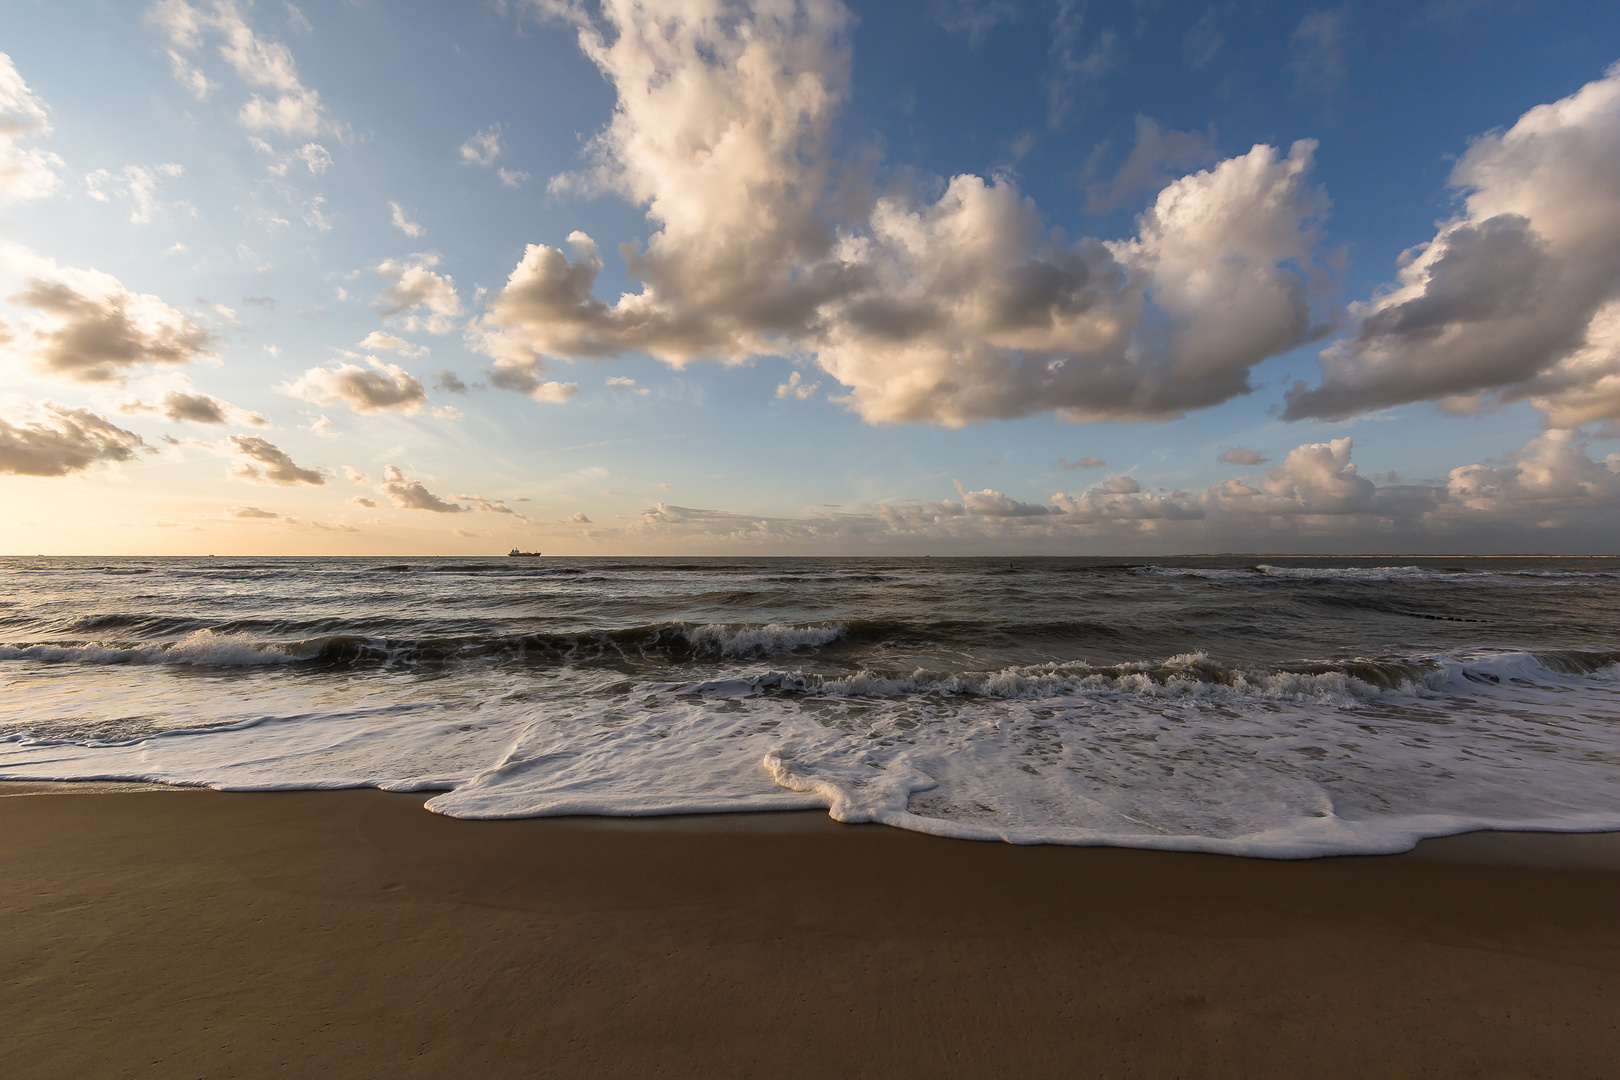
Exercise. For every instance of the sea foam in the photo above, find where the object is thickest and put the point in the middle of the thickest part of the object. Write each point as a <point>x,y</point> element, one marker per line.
<point>1241,766</point>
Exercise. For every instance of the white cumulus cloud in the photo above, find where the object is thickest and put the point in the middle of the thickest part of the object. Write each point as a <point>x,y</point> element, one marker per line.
<point>85,326</point>
<point>796,388</point>
<point>408,494</point>
<point>482,148</point>
<point>382,341</point>
<point>268,463</point>
<point>1516,297</point>
<point>424,300</point>
<point>378,387</point>
<point>136,185</point>
<point>279,103</point>
<point>58,441</point>
<point>25,172</point>
<point>950,310</point>
<point>403,223</point>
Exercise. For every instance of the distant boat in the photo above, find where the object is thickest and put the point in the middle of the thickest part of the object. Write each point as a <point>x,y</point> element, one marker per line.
<point>516,554</point>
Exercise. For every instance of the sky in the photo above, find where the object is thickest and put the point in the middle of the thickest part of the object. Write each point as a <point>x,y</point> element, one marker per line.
<point>946,277</point>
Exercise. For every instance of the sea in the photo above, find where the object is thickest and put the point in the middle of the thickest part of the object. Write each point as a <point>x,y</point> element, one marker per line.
<point>1253,705</point>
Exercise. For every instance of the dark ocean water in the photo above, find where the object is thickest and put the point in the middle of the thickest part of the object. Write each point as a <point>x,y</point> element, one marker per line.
<point>1270,706</point>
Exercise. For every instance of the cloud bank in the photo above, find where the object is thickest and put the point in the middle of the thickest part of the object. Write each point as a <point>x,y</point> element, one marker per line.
<point>1314,498</point>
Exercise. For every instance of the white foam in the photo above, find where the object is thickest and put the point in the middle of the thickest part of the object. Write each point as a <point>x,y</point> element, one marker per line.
<point>769,639</point>
<point>200,648</point>
<point>1168,754</point>
<point>1187,677</point>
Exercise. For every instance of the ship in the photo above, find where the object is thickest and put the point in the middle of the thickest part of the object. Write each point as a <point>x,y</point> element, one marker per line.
<point>516,554</point>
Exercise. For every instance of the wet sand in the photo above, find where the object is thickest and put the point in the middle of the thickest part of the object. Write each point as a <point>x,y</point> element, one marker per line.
<point>352,933</point>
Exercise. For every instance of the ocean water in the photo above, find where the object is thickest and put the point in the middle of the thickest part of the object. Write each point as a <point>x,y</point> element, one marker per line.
<point>1280,707</point>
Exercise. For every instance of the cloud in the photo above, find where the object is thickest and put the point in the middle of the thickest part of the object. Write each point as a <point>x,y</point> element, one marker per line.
<point>382,387</point>
<point>355,476</point>
<point>25,173</point>
<point>278,467</point>
<point>427,300</point>
<point>403,223</point>
<point>90,328</point>
<point>1316,478</point>
<point>1072,61</point>
<point>1120,499</point>
<point>1202,41</point>
<point>973,18</point>
<point>523,376</point>
<point>254,513</point>
<point>1546,479</point>
<point>227,314</point>
<point>361,500</point>
<point>183,406</point>
<point>579,519</point>
<point>619,382</point>
<point>1083,463</point>
<point>314,217</point>
<point>512,178</point>
<point>796,388</point>
<point>994,504</point>
<point>62,441</point>
<point>315,157</point>
<point>408,494</point>
<point>136,185</point>
<point>1316,52</point>
<point>490,506</point>
<point>381,341</point>
<point>448,382</point>
<point>1241,455</point>
<point>1516,297</point>
<point>1145,167</point>
<point>287,108</point>
<point>482,148</point>
<point>946,310</point>
<point>1315,498</point>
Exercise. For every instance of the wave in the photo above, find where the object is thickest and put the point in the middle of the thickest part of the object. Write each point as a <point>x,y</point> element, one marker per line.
<point>674,642</point>
<point>856,646</point>
<point>1370,574</point>
<point>155,625</point>
<point>409,642</point>
<point>1195,676</point>
<point>200,648</point>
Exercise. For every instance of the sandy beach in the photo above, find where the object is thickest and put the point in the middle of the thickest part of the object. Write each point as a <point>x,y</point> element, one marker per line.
<point>351,933</point>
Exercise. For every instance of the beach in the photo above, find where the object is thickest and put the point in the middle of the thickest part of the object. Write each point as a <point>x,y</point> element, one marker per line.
<point>196,933</point>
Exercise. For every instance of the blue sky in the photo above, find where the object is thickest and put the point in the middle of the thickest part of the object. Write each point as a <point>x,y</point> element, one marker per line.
<point>955,277</point>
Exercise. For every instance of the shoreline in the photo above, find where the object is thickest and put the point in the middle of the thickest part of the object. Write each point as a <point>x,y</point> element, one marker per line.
<point>1549,848</point>
<point>251,934</point>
